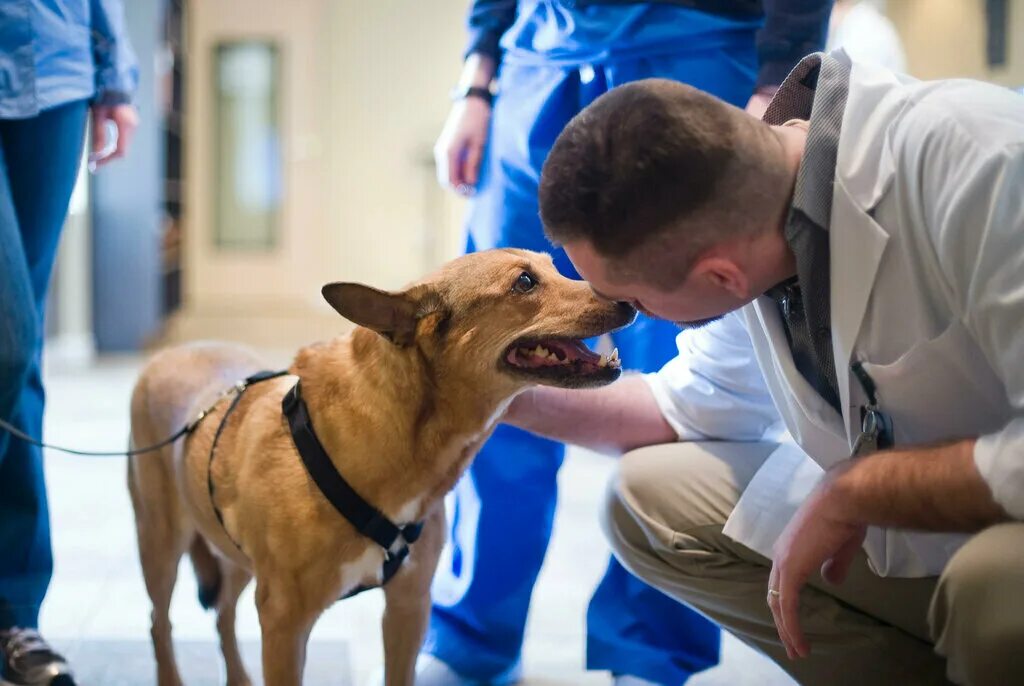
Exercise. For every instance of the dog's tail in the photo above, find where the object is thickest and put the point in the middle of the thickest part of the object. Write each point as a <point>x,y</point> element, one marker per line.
<point>207,569</point>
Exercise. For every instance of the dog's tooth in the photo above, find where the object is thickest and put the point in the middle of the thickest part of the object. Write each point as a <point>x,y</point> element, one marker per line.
<point>614,355</point>
<point>552,356</point>
<point>540,351</point>
<point>603,362</point>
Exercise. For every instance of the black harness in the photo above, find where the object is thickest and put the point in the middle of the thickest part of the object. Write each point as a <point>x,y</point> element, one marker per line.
<point>367,520</point>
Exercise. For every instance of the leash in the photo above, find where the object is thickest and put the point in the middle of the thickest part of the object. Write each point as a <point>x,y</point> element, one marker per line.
<point>237,389</point>
<point>367,520</point>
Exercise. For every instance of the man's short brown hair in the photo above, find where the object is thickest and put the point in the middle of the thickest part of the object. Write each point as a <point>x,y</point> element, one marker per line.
<point>641,159</point>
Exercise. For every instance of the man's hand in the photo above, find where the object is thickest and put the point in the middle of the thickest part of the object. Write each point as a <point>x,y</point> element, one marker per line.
<point>818,537</point>
<point>759,101</point>
<point>934,488</point>
<point>125,119</point>
<point>460,147</point>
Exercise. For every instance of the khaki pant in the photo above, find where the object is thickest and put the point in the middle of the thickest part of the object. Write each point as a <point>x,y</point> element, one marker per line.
<point>664,515</point>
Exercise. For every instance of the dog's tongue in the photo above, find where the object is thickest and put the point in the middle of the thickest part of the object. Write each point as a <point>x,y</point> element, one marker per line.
<point>573,350</point>
<point>553,353</point>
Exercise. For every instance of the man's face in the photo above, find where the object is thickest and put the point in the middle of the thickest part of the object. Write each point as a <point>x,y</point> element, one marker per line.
<point>700,299</point>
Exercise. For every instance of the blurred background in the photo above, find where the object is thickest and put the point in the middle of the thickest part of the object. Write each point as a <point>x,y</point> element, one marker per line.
<point>283,145</point>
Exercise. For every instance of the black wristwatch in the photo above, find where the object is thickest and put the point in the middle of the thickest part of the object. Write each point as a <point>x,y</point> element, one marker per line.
<point>484,94</point>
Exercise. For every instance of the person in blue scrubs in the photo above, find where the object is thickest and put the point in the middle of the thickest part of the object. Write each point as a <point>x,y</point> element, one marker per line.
<point>60,61</point>
<point>550,59</point>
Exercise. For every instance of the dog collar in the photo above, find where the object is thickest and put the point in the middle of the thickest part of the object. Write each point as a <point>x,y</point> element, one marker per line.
<point>368,520</point>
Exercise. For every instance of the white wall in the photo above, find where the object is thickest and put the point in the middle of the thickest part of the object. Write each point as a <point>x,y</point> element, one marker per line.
<point>946,39</point>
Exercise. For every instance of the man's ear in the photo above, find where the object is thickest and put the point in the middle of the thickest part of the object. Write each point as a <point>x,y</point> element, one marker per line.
<point>392,315</point>
<point>725,274</point>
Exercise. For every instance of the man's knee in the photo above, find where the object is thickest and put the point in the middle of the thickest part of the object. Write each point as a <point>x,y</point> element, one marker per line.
<point>659,496</point>
<point>634,538</point>
<point>977,613</point>
<point>18,336</point>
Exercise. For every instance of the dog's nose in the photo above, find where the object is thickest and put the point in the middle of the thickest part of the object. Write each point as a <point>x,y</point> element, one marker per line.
<point>627,311</point>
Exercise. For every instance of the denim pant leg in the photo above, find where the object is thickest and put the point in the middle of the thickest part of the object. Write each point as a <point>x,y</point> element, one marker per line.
<point>40,159</point>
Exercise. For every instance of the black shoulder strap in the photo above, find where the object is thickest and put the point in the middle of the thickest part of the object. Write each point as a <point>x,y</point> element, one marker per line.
<point>367,519</point>
<point>238,389</point>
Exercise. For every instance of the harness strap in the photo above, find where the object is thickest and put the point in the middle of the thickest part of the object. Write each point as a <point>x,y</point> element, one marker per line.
<point>368,520</point>
<point>237,390</point>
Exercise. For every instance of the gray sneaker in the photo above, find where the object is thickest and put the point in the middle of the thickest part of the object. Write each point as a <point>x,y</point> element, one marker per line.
<point>28,660</point>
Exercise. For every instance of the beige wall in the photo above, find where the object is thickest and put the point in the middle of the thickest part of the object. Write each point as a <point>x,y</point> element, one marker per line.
<point>946,38</point>
<point>364,94</point>
<point>394,62</point>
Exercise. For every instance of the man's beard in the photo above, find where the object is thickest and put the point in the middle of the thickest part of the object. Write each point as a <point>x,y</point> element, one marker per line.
<point>698,323</point>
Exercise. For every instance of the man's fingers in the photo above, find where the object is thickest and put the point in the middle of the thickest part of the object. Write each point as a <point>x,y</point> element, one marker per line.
<point>455,157</point>
<point>126,123</point>
<point>472,165</point>
<point>99,129</point>
<point>124,137</point>
<point>774,606</point>
<point>789,610</point>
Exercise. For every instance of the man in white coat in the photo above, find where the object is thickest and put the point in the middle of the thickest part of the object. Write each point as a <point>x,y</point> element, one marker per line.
<point>833,467</point>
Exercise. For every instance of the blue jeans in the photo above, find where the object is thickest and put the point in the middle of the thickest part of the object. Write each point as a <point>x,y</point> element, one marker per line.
<point>504,506</point>
<point>38,165</point>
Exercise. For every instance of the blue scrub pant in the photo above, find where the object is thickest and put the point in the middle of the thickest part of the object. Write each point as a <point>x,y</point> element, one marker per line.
<point>38,165</point>
<point>504,506</point>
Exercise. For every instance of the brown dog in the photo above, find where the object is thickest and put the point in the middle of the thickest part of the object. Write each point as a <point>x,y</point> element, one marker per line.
<point>401,406</point>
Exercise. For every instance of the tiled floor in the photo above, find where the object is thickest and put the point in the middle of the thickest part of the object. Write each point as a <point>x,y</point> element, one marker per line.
<point>98,604</point>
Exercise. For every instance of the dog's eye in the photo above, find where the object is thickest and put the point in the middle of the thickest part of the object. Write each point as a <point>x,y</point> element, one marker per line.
<point>524,283</point>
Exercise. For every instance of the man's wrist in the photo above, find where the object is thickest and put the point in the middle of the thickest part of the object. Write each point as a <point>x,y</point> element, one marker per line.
<point>477,72</point>
<point>478,92</point>
<point>840,487</point>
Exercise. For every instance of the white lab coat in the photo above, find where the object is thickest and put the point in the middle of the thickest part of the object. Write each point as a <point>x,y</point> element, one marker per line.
<point>927,279</point>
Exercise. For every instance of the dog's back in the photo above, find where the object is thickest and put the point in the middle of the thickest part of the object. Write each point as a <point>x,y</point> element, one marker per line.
<point>176,382</point>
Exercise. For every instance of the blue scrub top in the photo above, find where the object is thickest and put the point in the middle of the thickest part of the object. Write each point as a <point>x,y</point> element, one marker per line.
<point>548,32</point>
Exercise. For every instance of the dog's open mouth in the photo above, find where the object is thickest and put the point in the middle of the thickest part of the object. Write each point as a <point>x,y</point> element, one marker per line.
<point>562,360</point>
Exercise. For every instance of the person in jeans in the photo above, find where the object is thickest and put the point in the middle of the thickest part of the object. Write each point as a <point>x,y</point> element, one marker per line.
<point>555,57</point>
<point>60,61</point>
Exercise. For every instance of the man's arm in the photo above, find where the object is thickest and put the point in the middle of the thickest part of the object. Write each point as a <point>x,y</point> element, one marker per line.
<point>962,174</point>
<point>487,21</point>
<point>792,30</point>
<point>116,80</point>
<point>962,153</point>
<point>932,489</point>
<point>613,419</point>
<point>713,389</point>
<point>117,71</point>
<point>460,147</point>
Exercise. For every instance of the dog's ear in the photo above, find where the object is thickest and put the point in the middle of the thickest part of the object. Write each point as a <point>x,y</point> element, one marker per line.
<point>392,315</point>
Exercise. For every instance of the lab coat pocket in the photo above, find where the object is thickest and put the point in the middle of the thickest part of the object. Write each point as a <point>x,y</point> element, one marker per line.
<point>941,389</point>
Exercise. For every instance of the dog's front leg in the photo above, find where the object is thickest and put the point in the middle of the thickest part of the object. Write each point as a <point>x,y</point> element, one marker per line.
<point>407,608</point>
<point>286,622</point>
